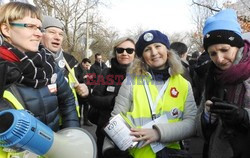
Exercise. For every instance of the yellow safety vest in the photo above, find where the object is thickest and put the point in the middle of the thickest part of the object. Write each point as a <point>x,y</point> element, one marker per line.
<point>72,82</point>
<point>172,104</point>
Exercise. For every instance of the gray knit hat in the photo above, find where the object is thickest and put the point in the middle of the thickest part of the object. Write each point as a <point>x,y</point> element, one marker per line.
<point>49,21</point>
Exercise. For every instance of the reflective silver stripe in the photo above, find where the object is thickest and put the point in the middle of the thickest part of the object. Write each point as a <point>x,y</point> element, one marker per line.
<point>144,120</point>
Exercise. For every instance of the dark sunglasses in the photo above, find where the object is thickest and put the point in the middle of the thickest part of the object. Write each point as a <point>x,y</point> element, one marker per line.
<point>128,50</point>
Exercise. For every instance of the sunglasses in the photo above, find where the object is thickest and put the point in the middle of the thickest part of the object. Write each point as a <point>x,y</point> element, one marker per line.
<point>128,50</point>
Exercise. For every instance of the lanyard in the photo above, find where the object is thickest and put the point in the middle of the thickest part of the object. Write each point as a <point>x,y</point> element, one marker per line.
<point>153,105</point>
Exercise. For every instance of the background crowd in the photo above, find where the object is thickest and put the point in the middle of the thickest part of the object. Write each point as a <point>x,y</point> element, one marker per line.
<point>168,96</point>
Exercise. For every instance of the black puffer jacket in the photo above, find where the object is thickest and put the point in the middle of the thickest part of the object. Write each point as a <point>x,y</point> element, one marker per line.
<point>46,106</point>
<point>104,93</point>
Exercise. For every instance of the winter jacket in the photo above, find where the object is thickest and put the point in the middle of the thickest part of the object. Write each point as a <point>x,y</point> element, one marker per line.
<point>124,103</point>
<point>59,58</point>
<point>104,93</point>
<point>218,144</point>
<point>96,69</point>
<point>81,75</point>
<point>47,106</point>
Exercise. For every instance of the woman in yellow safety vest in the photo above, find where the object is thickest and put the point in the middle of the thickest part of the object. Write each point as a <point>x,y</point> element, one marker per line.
<point>156,99</point>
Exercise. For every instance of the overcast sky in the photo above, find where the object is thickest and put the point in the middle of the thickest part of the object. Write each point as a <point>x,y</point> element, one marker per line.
<point>166,15</point>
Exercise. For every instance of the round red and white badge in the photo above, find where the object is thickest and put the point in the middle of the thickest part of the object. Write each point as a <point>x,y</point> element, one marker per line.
<point>174,92</point>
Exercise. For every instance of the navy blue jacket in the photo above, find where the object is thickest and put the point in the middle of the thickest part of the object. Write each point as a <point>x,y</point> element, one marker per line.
<point>47,106</point>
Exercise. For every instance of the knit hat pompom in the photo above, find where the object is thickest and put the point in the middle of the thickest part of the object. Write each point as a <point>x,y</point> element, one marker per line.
<point>149,37</point>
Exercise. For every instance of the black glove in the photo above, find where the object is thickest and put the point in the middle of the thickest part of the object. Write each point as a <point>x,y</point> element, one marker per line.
<point>230,114</point>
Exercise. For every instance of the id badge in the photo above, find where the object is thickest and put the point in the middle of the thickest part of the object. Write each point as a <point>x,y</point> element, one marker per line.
<point>52,88</point>
<point>111,89</point>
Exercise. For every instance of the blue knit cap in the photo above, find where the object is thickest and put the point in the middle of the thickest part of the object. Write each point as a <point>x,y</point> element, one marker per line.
<point>222,28</point>
<point>224,20</point>
<point>149,37</point>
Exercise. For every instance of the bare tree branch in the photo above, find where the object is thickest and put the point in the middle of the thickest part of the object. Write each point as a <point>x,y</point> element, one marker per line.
<point>206,6</point>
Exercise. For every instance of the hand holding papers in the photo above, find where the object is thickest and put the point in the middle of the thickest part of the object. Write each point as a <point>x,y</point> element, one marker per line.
<point>119,131</point>
<point>156,146</point>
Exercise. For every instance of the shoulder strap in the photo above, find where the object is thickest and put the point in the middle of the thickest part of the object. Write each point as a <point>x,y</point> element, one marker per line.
<point>11,98</point>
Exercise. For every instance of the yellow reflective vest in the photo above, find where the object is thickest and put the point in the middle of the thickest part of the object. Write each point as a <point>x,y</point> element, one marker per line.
<point>72,83</point>
<point>172,104</point>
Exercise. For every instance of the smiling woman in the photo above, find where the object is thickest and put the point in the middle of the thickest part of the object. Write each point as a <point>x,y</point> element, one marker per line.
<point>104,93</point>
<point>157,99</point>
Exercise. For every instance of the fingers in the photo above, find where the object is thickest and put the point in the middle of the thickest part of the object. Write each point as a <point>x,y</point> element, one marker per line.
<point>215,99</point>
<point>146,135</point>
<point>222,108</point>
<point>146,143</point>
<point>221,111</point>
<point>82,90</point>
<point>137,133</point>
<point>208,105</point>
<point>223,105</point>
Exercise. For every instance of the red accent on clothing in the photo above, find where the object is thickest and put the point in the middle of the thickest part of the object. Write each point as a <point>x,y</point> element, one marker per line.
<point>8,55</point>
<point>174,93</point>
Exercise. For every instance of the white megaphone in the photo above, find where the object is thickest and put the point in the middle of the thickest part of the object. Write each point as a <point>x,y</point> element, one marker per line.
<point>19,130</point>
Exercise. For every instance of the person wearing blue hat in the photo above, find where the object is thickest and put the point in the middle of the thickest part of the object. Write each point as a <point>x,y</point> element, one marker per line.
<point>156,99</point>
<point>223,117</point>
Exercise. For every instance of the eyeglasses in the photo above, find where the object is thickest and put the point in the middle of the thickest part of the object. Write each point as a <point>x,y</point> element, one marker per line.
<point>128,50</point>
<point>32,27</point>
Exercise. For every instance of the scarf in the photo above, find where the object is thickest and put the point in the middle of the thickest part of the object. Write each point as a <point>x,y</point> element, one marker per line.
<point>234,78</point>
<point>118,68</point>
<point>240,71</point>
<point>37,68</point>
<point>58,57</point>
<point>159,75</point>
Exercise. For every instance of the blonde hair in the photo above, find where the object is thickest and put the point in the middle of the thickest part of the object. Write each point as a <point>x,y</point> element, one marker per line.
<point>120,41</point>
<point>139,67</point>
<point>17,10</point>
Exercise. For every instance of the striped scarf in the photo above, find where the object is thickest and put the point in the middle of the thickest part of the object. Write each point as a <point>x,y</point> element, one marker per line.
<point>37,68</point>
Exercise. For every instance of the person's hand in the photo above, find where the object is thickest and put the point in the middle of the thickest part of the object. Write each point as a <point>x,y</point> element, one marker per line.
<point>82,90</point>
<point>208,105</point>
<point>210,117</point>
<point>229,113</point>
<point>145,134</point>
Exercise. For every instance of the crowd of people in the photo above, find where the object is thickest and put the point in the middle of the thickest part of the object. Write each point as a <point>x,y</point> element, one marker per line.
<point>167,97</point>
